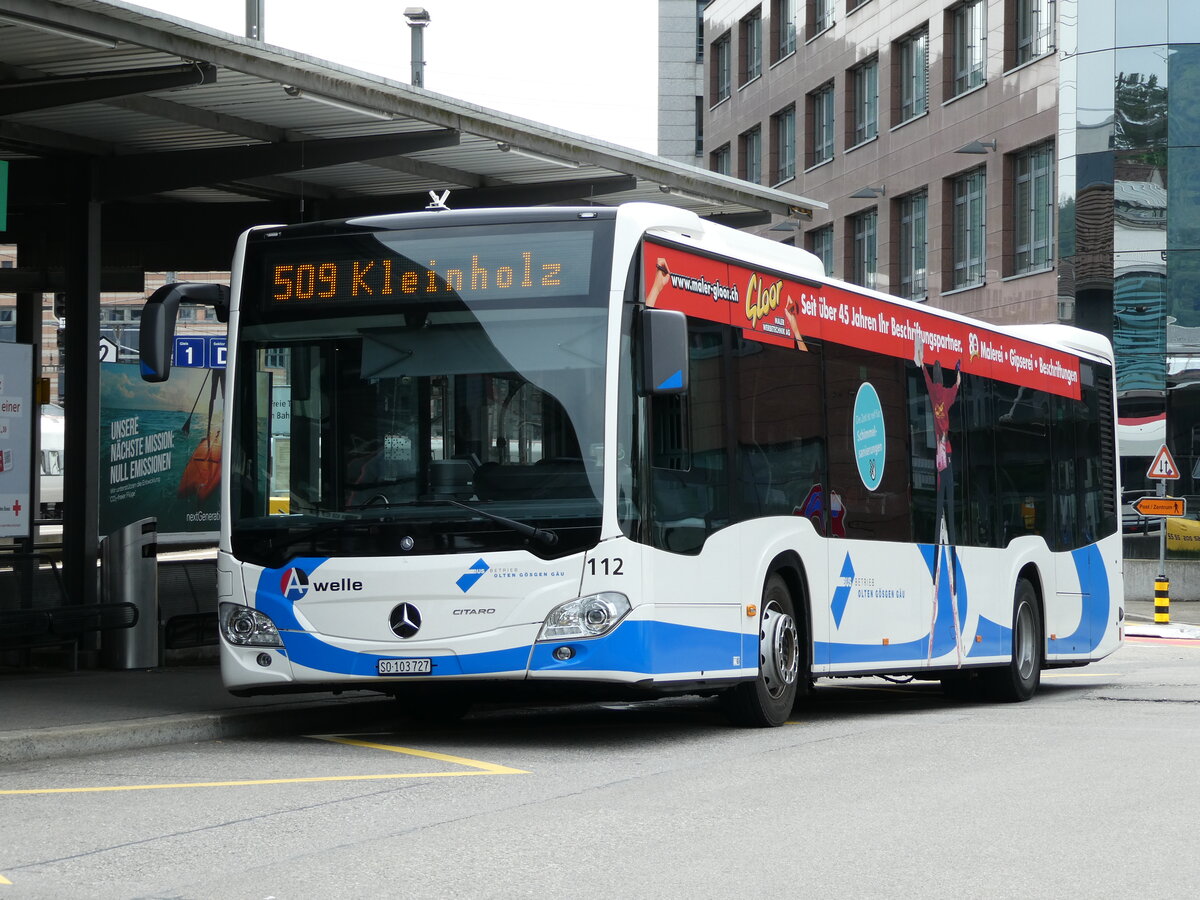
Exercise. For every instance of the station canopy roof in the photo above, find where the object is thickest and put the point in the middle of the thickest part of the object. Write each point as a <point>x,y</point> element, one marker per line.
<point>187,135</point>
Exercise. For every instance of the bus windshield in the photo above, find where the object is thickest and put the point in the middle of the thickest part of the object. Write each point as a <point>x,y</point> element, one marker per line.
<point>445,424</point>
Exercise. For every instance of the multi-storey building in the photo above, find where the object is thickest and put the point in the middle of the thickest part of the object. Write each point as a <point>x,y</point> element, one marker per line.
<point>1024,161</point>
<point>929,129</point>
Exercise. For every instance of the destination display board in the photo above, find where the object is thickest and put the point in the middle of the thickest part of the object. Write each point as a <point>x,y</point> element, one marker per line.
<point>394,267</point>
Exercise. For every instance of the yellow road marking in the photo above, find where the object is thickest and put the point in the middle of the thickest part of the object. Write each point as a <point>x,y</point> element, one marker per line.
<point>476,767</point>
<point>488,768</point>
<point>4,880</point>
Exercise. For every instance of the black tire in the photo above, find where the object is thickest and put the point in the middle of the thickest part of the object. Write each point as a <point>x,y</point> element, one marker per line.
<point>1019,680</point>
<point>767,700</point>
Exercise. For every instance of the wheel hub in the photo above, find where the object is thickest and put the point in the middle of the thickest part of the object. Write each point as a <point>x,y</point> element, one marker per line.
<point>780,650</point>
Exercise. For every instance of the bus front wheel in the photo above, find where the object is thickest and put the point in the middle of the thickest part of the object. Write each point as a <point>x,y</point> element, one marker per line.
<point>1019,680</point>
<point>767,700</point>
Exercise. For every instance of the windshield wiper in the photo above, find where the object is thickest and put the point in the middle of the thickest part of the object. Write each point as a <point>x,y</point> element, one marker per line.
<point>549,538</point>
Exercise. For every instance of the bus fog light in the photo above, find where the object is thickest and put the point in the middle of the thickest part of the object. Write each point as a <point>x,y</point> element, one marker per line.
<point>246,627</point>
<point>263,659</point>
<point>585,617</point>
<point>562,654</point>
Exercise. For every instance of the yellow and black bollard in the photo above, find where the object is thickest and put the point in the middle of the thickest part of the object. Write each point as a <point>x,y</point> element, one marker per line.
<point>1162,601</point>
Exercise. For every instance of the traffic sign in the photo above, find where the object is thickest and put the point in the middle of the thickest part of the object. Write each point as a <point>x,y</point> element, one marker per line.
<point>189,353</point>
<point>108,349</point>
<point>1163,465</point>
<point>1160,506</point>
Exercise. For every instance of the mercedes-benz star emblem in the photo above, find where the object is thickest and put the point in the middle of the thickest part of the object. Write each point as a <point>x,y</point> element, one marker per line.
<point>406,620</point>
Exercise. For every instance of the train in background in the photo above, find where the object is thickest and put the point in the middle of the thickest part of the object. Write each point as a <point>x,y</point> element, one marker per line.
<point>53,431</point>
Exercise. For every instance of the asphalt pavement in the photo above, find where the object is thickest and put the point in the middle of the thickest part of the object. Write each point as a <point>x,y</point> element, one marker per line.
<point>47,713</point>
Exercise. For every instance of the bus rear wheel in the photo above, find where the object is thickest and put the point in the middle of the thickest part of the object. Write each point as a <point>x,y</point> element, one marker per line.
<point>767,700</point>
<point>1019,680</point>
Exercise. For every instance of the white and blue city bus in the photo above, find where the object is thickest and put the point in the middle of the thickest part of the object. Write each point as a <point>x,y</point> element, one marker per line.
<point>627,451</point>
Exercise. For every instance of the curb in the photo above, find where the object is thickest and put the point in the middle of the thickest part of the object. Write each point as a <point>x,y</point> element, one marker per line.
<point>135,734</point>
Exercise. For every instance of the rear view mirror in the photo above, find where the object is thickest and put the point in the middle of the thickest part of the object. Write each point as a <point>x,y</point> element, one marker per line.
<point>157,332</point>
<point>664,352</point>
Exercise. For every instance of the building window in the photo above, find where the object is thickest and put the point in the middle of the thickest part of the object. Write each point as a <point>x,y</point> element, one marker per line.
<point>820,16</point>
<point>719,160</point>
<point>820,111</point>
<point>722,68</point>
<point>820,244</point>
<point>865,82</point>
<point>969,235</point>
<point>852,5</point>
<point>783,132</point>
<point>912,248</point>
<point>699,126</point>
<point>1034,29</point>
<point>912,81</point>
<point>1033,210</point>
<point>969,53</point>
<point>751,45</point>
<point>863,248</point>
<point>750,156</point>
<point>700,4</point>
<point>783,28</point>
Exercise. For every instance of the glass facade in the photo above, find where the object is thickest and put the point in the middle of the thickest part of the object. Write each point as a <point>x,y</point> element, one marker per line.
<point>913,82</point>
<point>821,112</point>
<point>864,264</point>
<point>969,45</point>
<point>783,125</point>
<point>913,245</point>
<point>866,101</point>
<point>1128,236</point>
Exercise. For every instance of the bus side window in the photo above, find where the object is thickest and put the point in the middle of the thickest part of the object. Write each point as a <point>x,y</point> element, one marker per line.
<point>1022,448</point>
<point>884,512</point>
<point>780,430</point>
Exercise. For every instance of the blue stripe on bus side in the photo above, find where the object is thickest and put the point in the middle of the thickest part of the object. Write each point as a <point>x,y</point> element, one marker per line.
<point>1096,609</point>
<point>653,648</point>
<point>836,652</point>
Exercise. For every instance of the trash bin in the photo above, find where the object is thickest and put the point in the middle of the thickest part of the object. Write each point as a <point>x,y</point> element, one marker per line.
<point>129,574</point>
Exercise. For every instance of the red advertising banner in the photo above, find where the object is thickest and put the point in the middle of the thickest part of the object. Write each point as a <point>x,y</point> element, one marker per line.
<point>781,311</point>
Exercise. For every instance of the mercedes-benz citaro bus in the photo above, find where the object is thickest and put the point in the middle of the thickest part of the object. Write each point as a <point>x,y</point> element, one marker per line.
<point>630,452</point>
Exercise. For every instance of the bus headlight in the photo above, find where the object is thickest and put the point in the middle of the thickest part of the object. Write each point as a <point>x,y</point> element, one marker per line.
<point>585,617</point>
<point>246,627</point>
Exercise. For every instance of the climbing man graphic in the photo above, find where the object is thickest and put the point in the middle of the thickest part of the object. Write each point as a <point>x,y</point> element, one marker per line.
<point>941,399</point>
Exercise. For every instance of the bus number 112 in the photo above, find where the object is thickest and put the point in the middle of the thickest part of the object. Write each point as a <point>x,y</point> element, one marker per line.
<point>606,566</point>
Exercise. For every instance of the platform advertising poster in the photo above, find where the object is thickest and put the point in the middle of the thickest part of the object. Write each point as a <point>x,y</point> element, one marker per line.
<point>160,450</point>
<point>16,418</point>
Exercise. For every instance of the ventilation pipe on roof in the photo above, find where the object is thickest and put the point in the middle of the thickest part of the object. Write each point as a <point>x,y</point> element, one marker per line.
<point>418,18</point>
<point>254,19</point>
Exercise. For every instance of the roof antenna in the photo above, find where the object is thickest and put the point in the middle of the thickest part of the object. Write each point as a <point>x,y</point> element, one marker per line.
<point>436,201</point>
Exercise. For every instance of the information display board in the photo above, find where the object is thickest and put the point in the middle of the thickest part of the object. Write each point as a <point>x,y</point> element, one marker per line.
<point>17,415</point>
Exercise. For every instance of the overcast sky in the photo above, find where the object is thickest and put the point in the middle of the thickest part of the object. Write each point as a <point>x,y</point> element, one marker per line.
<point>583,66</point>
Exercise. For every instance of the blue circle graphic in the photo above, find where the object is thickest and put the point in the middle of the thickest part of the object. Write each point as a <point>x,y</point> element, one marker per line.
<point>870,439</point>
